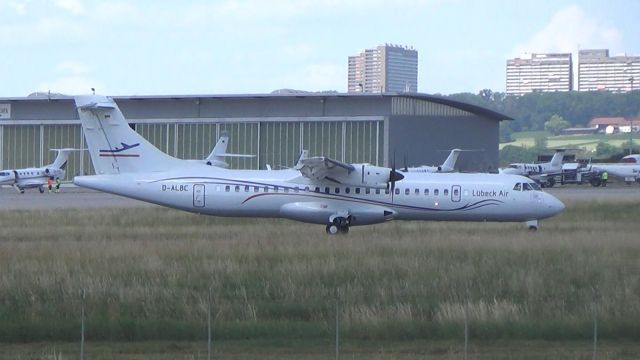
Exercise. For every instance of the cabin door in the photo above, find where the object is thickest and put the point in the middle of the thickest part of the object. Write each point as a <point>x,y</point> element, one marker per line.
<point>455,193</point>
<point>198,195</point>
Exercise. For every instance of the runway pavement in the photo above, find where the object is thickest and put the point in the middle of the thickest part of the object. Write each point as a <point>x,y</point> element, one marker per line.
<point>72,197</point>
<point>69,197</point>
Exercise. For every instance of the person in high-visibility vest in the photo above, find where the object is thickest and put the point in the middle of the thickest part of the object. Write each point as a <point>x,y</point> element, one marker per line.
<point>604,177</point>
<point>57,185</point>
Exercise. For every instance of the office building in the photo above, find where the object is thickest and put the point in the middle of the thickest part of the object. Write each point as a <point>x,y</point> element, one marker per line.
<point>597,71</point>
<point>539,72</point>
<point>387,68</point>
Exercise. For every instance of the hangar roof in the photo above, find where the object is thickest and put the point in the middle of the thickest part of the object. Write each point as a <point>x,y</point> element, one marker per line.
<point>474,109</point>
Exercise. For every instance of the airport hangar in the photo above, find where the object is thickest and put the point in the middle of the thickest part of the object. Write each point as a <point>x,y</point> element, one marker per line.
<point>354,128</point>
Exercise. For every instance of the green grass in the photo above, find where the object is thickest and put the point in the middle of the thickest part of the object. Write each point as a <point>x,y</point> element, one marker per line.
<point>147,273</point>
<point>587,142</point>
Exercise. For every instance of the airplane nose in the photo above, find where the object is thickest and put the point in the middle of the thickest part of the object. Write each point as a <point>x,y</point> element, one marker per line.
<point>554,205</point>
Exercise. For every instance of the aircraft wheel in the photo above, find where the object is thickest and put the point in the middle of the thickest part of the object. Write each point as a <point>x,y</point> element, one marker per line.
<point>595,182</point>
<point>41,189</point>
<point>332,229</point>
<point>533,228</point>
<point>550,183</point>
<point>21,191</point>
<point>344,229</point>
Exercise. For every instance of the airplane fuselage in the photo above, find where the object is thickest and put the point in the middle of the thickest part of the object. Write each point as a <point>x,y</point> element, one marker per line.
<point>286,194</point>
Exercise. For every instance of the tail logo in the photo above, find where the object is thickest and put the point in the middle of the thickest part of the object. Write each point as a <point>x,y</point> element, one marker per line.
<point>117,152</point>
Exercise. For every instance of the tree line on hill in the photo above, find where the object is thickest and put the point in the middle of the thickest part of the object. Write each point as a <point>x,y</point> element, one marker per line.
<point>553,111</point>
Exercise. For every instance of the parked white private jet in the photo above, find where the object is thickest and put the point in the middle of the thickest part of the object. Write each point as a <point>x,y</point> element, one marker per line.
<point>28,178</point>
<point>543,173</point>
<point>318,190</point>
<point>447,166</point>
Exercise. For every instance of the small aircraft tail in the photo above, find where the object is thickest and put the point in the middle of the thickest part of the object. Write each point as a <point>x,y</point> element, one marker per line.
<point>219,152</point>
<point>113,145</point>
<point>557,158</point>
<point>61,159</point>
<point>304,154</point>
<point>449,164</point>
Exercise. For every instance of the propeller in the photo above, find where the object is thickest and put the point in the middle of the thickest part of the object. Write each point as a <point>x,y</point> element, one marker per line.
<point>394,176</point>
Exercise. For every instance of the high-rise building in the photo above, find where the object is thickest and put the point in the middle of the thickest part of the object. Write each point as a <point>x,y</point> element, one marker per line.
<point>387,68</point>
<point>539,72</point>
<point>598,71</point>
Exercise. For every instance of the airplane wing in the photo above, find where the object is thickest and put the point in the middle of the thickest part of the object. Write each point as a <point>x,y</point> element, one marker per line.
<point>320,167</point>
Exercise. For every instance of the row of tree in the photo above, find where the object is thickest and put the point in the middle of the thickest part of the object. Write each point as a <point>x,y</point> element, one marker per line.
<point>553,111</point>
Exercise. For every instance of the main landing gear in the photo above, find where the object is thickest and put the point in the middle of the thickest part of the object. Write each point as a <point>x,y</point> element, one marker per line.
<point>532,225</point>
<point>339,225</point>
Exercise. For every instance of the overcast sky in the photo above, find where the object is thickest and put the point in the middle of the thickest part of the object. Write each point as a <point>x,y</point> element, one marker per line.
<point>256,46</point>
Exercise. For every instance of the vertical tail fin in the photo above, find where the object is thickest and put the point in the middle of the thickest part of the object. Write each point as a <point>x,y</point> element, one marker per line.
<point>449,164</point>
<point>557,158</point>
<point>216,158</point>
<point>61,159</point>
<point>114,146</point>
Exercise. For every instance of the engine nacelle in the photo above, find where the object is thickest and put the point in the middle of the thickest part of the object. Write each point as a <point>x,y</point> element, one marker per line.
<point>7,177</point>
<point>54,173</point>
<point>367,175</point>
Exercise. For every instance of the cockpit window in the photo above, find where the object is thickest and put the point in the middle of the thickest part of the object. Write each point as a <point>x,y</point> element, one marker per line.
<point>535,186</point>
<point>514,166</point>
<point>4,173</point>
<point>526,187</point>
<point>518,187</point>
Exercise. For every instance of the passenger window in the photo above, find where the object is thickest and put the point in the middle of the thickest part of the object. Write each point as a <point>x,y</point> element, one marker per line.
<point>436,192</point>
<point>357,190</point>
<point>306,189</point>
<point>326,190</point>
<point>266,189</point>
<point>237,188</point>
<point>337,190</point>
<point>417,191</point>
<point>456,192</point>
<point>347,190</point>
<point>317,189</point>
<point>256,189</point>
<point>518,187</point>
<point>446,192</point>
<point>426,192</point>
<point>246,188</point>
<point>275,189</point>
<point>377,191</point>
<point>407,191</point>
<point>227,188</point>
<point>397,191</point>
<point>367,191</point>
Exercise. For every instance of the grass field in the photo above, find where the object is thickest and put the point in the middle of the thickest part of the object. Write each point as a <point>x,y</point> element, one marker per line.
<point>586,142</point>
<point>403,287</point>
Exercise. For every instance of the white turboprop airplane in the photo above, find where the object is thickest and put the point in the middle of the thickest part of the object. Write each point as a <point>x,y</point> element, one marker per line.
<point>628,168</point>
<point>544,173</point>
<point>36,177</point>
<point>318,190</point>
